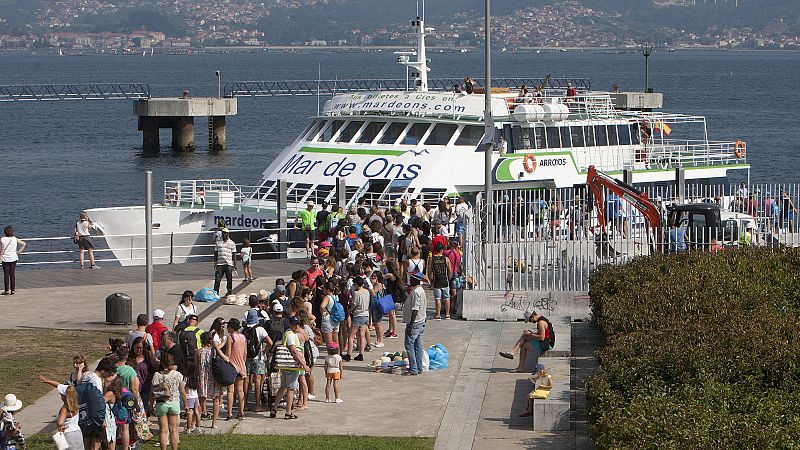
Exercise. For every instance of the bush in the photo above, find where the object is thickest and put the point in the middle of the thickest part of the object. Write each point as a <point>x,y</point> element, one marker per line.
<point>700,351</point>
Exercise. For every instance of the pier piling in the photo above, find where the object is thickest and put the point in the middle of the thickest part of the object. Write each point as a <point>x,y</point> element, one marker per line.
<point>178,114</point>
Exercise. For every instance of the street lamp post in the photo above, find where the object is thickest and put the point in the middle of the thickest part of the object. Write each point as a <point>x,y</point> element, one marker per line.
<point>647,50</point>
<point>219,84</point>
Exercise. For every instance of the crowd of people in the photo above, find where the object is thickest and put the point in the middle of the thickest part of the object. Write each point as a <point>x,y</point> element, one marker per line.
<point>366,266</point>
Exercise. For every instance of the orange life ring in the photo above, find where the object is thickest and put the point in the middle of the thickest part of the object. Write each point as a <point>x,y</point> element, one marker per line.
<point>529,163</point>
<point>738,149</point>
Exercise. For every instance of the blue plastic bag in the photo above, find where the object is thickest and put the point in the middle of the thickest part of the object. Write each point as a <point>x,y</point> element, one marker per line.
<point>437,356</point>
<point>206,295</point>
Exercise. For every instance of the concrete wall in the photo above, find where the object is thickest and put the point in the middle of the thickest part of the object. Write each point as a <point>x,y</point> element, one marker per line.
<point>190,107</point>
<point>511,306</point>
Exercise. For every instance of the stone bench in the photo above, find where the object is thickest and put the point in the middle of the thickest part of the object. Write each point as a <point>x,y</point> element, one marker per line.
<point>553,413</point>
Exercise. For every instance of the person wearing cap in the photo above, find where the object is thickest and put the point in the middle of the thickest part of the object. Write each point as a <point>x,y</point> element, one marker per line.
<point>279,323</point>
<point>224,262</point>
<point>540,379</point>
<point>10,430</point>
<point>191,329</point>
<point>308,220</point>
<point>746,238</point>
<point>292,368</point>
<point>414,316</point>
<point>525,342</point>
<point>156,328</point>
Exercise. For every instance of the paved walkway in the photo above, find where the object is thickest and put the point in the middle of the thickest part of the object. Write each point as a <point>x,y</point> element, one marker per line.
<point>472,404</point>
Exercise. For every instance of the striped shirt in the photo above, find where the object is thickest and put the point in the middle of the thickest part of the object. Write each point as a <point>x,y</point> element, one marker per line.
<point>225,251</point>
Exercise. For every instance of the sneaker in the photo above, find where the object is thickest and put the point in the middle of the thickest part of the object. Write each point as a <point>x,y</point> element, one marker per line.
<point>392,336</point>
<point>368,348</point>
<point>346,357</point>
<point>95,267</point>
<point>379,345</point>
<point>338,400</point>
<point>437,318</point>
<point>327,400</point>
<point>311,397</point>
<point>205,416</point>
<point>360,357</point>
<point>387,334</point>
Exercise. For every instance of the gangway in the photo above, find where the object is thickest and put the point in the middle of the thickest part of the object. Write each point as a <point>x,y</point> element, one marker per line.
<point>280,88</point>
<point>86,91</point>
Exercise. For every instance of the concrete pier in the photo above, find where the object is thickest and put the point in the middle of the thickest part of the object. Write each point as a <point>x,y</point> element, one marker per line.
<point>178,114</point>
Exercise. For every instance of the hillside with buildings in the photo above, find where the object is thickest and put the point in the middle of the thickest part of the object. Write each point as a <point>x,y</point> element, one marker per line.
<point>129,24</point>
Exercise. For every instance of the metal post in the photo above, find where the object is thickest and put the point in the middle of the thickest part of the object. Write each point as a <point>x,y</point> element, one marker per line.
<point>680,184</point>
<point>487,116</point>
<point>148,225</point>
<point>647,50</point>
<point>171,247</point>
<point>341,192</point>
<point>283,233</point>
<point>627,177</point>
<point>219,84</point>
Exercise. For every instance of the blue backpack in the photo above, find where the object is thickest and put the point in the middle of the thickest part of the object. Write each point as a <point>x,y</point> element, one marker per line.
<point>337,311</point>
<point>91,407</point>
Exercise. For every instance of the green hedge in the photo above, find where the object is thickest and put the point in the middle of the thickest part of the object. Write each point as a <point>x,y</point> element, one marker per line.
<point>700,351</point>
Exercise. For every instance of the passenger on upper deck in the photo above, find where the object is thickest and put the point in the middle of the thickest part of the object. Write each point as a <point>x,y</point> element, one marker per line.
<point>523,95</point>
<point>468,85</point>
<point>537,95</point>
<point>502,145</point>
<point>457,88</point>
<point>571,92</point>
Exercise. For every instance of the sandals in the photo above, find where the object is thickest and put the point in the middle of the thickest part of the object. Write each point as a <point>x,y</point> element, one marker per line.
<point>273,414</point>
<point>290,417</point>
<point>507,355</point>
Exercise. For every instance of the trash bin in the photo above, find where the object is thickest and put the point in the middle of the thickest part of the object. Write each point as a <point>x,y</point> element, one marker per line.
<point>119,309</point>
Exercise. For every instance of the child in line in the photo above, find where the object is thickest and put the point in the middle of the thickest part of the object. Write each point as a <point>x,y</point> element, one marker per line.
<point>192,400</point>
<point>247,256</point>
<point>333,371</point>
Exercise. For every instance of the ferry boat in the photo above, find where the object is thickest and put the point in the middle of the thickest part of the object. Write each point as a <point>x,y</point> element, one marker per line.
<point>426,144</point>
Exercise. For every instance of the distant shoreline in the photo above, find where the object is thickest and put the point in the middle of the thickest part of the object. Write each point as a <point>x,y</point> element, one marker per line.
<point>360,49</point>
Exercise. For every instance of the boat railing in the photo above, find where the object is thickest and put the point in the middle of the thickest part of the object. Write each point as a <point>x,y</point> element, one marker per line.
<point>694,153</point>
<point>584,105</point>
<point>168,248</point>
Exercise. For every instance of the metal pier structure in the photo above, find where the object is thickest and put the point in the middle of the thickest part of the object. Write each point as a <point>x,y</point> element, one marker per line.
<point>280,88</point>
<point>87,91</point>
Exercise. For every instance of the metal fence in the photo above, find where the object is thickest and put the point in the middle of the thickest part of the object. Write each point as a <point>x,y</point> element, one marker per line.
<point>168,248</point>
<point>550,239</point>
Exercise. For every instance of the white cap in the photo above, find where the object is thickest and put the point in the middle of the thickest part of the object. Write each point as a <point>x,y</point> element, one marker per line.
<point>62,389</point>
<point>277,307</point>
<point>158,314</point>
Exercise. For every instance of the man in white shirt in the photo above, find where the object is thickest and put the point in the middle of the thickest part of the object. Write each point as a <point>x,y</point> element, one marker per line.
<point>502,145</point>
<point>224,261</point>
<point>414,317</point>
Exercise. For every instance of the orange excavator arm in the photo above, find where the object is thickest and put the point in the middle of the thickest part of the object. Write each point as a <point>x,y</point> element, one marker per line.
<point>596,180</point>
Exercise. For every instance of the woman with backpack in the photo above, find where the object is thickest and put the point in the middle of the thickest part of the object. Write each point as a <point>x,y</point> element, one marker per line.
<point>236,349</point>
<point>186,307</point>
<point>168,391</point>
<point>329,328</point>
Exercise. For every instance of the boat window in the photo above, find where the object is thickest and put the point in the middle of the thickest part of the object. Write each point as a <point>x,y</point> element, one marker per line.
<point>600,135</point>
<point>331,130</point>
<point>635,134</point>
<point>624,134</point>
<point>370,132</point>
<point>612,135</point>
<point>470,135</point>
<point>349,131</point>
<point>539,135</point>
<point>565,137</point>
<point>589,134</point>
<point>577,136</point>
<point>393,132</point>
<point>522,138</point>
<point>553,138</point>
<point>415,133</point>
<point>441,134</point>
<point>314,130</point>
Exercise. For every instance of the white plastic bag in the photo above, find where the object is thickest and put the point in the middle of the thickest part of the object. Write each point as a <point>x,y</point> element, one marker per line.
<point>425,360</point>
<point>60,441</point>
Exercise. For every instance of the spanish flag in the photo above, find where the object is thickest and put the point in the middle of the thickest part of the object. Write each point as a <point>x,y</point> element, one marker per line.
<point>666,129</point>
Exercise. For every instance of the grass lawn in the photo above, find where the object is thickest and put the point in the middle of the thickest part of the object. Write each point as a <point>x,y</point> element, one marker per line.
<point>26,353</point>
<point>249,441</point>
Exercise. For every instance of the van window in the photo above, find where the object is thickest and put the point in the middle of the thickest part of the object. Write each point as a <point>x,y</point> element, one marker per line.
<point>441,134</point>
<point>331,130</point>
<point>415,133</point>
<point>349,131</point>
<point>393,132</point>
<point>370,132</point>
<point>470,135</point>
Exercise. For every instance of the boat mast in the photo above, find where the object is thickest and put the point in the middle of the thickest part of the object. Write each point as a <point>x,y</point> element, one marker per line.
<point>421,64</point>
